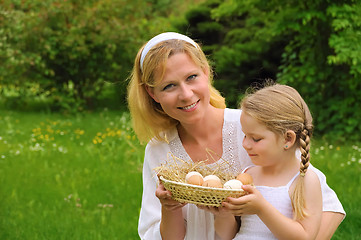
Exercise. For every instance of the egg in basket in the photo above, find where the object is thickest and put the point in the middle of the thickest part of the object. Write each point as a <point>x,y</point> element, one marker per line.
<point>196,183</point>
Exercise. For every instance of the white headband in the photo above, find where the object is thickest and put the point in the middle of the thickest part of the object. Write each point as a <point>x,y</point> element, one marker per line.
<point>160,38</point>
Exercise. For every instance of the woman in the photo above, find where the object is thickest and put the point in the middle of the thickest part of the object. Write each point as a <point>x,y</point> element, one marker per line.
<point>175,107</point>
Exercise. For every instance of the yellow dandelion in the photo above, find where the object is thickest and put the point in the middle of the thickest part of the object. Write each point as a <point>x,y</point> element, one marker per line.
<point>95,141</point>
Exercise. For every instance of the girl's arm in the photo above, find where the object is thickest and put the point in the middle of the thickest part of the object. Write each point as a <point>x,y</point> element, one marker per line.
<point>281,226</point>
<point>333,212</point>
<point>329,224</point>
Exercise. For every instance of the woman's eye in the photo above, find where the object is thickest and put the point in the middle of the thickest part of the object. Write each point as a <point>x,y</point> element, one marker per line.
<point>168,87</point>
<point>191,77</point>
<point>256,139</point>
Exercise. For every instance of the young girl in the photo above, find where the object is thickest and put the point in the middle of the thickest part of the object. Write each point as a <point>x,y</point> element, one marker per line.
<point>287,200</point>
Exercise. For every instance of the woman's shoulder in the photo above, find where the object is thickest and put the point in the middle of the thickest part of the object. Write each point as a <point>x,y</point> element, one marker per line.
<point>232,114</point>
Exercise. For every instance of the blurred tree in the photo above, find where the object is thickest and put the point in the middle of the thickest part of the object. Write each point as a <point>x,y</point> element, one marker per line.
<point>313,46</point>
<point>67,50</point>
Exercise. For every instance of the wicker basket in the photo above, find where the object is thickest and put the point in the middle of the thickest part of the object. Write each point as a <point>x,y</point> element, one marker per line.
<point>199,195</point>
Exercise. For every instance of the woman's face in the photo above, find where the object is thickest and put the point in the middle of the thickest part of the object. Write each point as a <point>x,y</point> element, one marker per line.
<point>264,147</point>
<point>183,92</point>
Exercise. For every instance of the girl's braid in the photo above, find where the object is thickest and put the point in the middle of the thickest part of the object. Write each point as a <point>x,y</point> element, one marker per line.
<point>305,151</point>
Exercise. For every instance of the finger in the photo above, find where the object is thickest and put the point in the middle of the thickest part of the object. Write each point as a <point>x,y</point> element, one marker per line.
<point>248,188</point>
<point>163,194</point>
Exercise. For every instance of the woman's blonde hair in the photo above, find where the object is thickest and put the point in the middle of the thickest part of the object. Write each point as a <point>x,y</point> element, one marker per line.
<point>281,108</point>
<point>148,118</point>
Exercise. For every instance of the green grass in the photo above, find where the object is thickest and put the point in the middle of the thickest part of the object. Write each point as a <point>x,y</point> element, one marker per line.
<point>79,177</point>
<point>69,177</point>
<point>342,166</point>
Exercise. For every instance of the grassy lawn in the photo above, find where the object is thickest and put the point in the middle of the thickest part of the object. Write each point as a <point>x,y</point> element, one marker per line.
<point>79,177</point>
<point>69,178</point>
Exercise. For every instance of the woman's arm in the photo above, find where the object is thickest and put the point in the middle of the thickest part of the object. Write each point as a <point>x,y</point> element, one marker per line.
<point>156,214</point>
<point>226,226</point>
<point>172,222</point>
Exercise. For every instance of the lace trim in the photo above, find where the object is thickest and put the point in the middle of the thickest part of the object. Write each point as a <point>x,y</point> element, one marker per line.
<point>229,161</point>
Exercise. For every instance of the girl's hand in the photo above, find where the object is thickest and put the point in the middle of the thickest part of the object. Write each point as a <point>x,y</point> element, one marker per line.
<point>165,198</point>
<point>245,205</point>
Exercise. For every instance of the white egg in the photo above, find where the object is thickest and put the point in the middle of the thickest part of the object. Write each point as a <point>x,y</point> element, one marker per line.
<point>233,184</point>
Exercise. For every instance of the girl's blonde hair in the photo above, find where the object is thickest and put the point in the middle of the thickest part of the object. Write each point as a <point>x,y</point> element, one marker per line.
<point>281,108</point>
<point>148,118</point>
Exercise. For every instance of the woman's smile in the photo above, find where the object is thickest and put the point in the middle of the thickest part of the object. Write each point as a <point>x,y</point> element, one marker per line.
<point>190,108</point>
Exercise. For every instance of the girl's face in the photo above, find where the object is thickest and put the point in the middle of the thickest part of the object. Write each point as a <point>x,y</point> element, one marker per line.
<point>264,147</point>
<point>183,92</point>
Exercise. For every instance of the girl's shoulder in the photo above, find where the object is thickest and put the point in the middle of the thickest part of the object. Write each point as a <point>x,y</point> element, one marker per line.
<point>311,178</point>
<point>311,181</point>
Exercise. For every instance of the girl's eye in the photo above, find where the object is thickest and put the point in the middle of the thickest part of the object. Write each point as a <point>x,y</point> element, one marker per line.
<point>253,139</point>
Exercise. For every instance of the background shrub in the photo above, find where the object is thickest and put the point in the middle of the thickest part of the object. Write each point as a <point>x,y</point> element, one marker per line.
<point>71,49</point>
<point>73,56</point>
<point>311,46</point>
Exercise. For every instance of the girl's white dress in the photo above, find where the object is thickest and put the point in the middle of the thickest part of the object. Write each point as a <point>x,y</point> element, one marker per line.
<point>252,227</point>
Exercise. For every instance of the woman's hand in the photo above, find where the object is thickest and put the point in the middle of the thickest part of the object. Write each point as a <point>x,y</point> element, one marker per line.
<point>165,198</point>
<point>217,211</point>
<point>245,205</point>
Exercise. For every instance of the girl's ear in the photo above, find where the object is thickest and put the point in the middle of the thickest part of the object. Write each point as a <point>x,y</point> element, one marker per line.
<point>150,91</point>
<point>290,139</point>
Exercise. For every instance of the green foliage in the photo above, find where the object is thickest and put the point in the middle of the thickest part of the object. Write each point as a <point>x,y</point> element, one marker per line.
<point>311,46</point>
<point>73,48</point>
